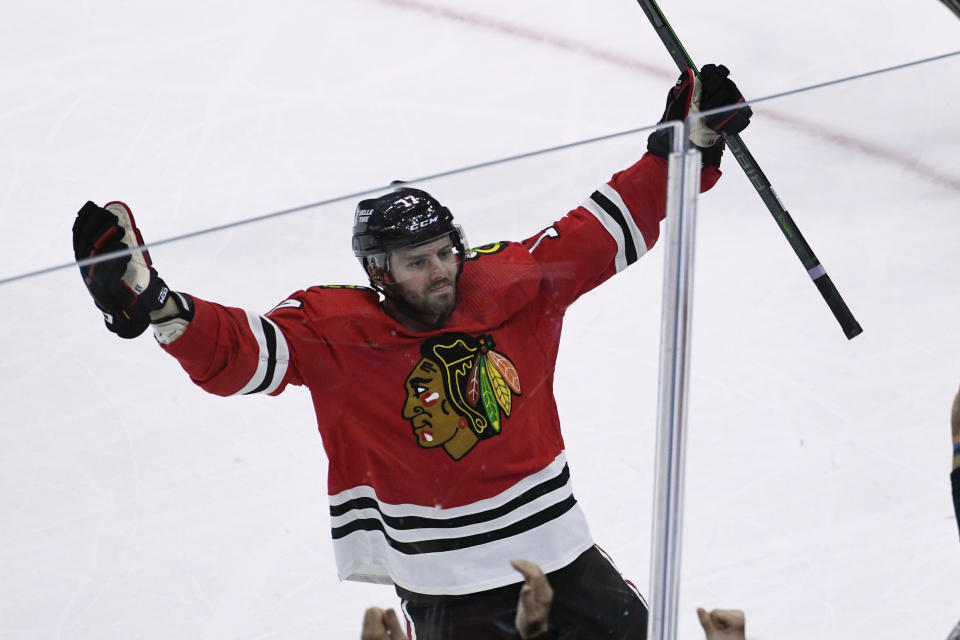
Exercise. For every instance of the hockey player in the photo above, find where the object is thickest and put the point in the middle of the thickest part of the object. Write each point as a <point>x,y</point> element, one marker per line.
<point>433,387</point>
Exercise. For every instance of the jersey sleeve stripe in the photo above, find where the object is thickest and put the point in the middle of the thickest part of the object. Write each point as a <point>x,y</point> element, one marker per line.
<point>629,247</point>
<point>282,358</point>
<point>608,208</point>
<point>270,368</point>
<point>270,337</point>
<point>639,243</point>
<point>256,328</point>
<point>612,228</point>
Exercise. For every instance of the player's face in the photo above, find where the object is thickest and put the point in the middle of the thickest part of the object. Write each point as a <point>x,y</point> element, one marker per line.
<point>434,421</point>
<point>425,276</point>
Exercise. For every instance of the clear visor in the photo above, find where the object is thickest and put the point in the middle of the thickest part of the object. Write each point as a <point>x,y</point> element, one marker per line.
<point>436,258</point>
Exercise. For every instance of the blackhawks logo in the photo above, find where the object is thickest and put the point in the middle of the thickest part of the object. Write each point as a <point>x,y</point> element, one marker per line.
<point>459,392</point>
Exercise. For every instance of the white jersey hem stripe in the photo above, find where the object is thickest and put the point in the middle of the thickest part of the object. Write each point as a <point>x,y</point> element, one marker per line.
<point>464,549</point>
<point>415,535</point>
<point>552,545</point>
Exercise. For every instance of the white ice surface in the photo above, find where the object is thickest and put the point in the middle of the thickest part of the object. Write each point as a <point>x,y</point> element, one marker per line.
<point>133,505</point>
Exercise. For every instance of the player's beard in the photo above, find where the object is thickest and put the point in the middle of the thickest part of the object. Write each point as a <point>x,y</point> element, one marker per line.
<point>437,300</point>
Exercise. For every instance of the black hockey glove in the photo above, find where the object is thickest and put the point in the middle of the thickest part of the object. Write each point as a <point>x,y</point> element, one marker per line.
<point>691,94</point>
<point>126,289</point>
<point>718,90</point>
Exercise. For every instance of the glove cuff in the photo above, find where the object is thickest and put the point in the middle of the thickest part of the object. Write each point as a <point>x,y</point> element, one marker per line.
<point>658,144</point>
<point>170,323</point>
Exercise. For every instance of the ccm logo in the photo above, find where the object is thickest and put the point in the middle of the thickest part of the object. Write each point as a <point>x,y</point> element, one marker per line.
<point>423,223</point>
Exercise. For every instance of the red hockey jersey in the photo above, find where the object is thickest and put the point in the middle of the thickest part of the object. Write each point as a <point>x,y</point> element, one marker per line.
<point>445,453</point>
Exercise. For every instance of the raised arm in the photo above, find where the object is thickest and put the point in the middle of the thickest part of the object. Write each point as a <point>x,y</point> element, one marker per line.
<point>226,351</point>
<point>620,221</point>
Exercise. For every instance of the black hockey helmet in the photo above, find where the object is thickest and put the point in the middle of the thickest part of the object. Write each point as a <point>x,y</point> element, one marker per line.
<point>402,218</point>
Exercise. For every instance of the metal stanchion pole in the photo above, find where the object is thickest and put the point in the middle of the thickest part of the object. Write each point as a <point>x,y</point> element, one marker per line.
<point>683,186</point>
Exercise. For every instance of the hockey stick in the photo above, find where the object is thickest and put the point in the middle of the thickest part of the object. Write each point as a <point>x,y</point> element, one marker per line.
<point>815,270</point>
<point>953,5</point>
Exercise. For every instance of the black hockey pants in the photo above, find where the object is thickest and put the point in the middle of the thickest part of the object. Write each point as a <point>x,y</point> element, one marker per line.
<point>591,600</point>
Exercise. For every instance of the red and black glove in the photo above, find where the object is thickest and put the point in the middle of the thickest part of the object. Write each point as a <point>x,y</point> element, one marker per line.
<point>690,94</point>
<point>126,288</point>
<point>718,90</point>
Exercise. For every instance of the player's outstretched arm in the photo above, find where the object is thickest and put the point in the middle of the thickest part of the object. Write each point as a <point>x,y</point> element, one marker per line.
<point>126,288</point>
<point>226,351</point>
<point>576,254</point>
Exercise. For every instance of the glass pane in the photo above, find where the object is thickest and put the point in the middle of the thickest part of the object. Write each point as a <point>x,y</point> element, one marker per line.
<point>136,505</point>
<point>817,465</point>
